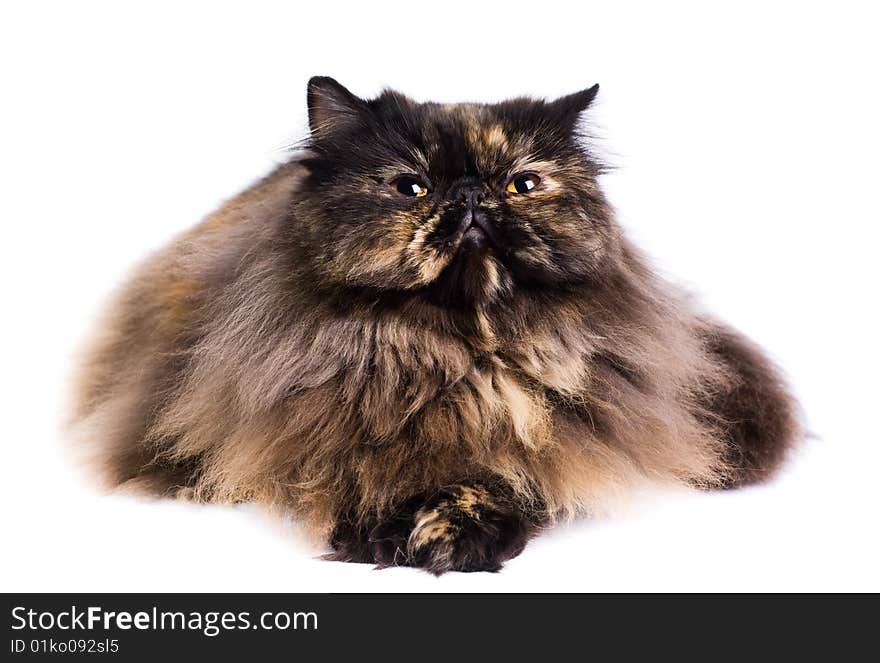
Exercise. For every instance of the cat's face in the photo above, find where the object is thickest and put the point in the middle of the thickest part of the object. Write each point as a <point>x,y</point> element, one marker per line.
<point>464,202</point>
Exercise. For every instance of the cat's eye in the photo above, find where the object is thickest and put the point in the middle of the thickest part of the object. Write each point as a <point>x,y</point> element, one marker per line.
<point>523,183</point>
<point>408,185</point>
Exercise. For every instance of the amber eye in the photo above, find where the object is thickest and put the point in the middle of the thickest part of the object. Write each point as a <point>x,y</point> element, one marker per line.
<point>409,186</point>
<point>524,183</point>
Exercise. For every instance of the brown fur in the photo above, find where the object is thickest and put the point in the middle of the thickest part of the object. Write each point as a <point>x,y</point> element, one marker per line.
<point>248,363</point>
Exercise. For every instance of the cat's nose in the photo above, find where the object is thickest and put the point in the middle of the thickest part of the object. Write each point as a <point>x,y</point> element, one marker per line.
<point>469,194</point>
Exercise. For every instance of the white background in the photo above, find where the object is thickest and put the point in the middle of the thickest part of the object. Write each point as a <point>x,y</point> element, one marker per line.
<point>746,143</point>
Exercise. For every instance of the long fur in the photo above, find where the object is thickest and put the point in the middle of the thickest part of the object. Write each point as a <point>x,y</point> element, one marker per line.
<point>268,356</point>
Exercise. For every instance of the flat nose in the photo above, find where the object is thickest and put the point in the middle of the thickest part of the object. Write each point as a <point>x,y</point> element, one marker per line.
<point>469,194</point>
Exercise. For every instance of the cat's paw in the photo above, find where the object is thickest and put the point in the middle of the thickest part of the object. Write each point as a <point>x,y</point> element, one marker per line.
<point>387,540</point>
<point>459,528</point>
<point>463,528</point>
<point>373,541</point>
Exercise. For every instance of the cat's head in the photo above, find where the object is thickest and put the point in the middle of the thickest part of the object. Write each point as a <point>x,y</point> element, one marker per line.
<point>464,202</point>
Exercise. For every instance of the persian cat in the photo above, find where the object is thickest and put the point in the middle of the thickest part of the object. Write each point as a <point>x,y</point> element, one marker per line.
<point>426,337</point>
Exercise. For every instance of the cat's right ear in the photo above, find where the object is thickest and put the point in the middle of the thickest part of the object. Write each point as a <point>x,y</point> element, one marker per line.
<point>331,106</point>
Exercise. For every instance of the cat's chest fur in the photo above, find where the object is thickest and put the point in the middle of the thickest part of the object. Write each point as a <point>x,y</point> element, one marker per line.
<point>485,386</point>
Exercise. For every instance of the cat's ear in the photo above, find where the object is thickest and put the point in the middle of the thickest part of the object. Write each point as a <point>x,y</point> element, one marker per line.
<point>332,106</point>
<point>568,109</point>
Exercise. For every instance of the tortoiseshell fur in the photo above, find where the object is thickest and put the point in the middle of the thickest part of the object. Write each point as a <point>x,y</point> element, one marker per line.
<point>425,381</point>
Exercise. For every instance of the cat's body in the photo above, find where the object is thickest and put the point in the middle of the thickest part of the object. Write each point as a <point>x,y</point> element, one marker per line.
<point>427,368</point>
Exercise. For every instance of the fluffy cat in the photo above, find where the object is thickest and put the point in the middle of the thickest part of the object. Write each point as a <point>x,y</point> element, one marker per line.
<point>426,336</point>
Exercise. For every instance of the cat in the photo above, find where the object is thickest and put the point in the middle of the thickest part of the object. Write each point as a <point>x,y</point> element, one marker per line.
<point>425,336</point>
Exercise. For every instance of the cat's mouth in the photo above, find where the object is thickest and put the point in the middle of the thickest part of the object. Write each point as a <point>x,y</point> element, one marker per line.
<point>474,231</point>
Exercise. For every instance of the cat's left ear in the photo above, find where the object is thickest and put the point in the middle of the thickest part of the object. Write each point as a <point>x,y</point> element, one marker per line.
<point>332,106</point>
<point>568,109</point>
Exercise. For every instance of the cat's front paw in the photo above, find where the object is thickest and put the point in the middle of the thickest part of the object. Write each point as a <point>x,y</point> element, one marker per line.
<point>463,528</point>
